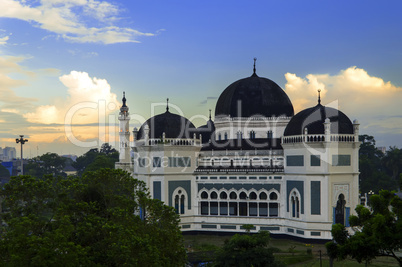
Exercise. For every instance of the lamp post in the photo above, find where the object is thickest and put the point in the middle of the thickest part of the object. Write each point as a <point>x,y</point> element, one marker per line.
<point>22,141</point>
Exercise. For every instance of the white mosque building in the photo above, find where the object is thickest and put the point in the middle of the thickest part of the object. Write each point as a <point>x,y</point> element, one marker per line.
<point>257,163</point>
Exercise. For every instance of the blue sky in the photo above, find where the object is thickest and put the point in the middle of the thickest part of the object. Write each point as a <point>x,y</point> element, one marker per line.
<point>68,62</point>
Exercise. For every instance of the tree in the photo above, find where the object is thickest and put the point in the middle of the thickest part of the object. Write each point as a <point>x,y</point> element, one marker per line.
<point>104,218</point>
<point>393,161</point>
<point>107,149</point>
<point>372,166</point>
<point>378,232</point>
<point>49,163</point>
<point>4,173</point>
<point>108,157</point>
<point>246,250</point>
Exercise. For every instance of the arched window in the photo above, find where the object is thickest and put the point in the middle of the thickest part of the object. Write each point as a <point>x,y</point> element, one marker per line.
<point>204,195</point>
<point>243,195</point>
<point>295,204</point>
<point>269,134</point>
<point>239,135</point>
<point>340,210</point>
<point>252,134</point>
<point>180,200</point>
<point>223,195</point>
<point>226,136</point>
<point>219,136</point>
<point>263,196</point>
<point>253,195</point>
<point>176,203</point>
<point>273,205</point>
<point>214,195</point>
<point>233,195</point>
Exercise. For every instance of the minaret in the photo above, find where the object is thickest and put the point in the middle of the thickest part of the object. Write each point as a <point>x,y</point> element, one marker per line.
<point>124,133</point>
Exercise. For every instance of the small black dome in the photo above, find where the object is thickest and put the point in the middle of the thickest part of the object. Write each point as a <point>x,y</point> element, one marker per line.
<point>206,131</point>
<point>254,96</point>
<point>313,119</point>
<point>173,125</point>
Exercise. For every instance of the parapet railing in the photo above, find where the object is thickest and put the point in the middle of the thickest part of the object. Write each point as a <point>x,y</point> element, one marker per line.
<point>256,118</point>
<point>174,142</point>
<point>314,138</point>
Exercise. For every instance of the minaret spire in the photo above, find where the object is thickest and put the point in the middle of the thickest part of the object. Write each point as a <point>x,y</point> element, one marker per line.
<point>124,99</point>
<point>124,137</point>
<point>319,96</point>
<point>167,104</point>
<point>209,114</point>
<point>255,59</point>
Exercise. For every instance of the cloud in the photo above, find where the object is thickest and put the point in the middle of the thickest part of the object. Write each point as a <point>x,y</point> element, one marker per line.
<point>353,87</point>
<point>89,103</point>
<point>86,96</point>
<point>79,21</point>
<point>3,40</point>
<point>370,99</point>
<point>9,100</point>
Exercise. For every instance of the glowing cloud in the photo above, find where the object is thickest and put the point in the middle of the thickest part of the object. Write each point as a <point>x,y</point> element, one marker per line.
<point>85,111</point>
<point>359,95</point>
<point>86,96</point>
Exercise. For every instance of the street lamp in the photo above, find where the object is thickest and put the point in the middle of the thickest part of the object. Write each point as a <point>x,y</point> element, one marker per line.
<point>22,141</point>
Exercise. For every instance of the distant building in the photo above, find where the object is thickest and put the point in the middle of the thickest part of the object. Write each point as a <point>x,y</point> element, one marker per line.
<point>72,157</point>
<point>256,163</point>
<point>7,153</point>
<point>383,149</point>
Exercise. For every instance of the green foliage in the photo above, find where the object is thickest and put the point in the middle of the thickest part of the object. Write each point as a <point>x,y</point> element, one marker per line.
<point>93,220</point>
<point>247,227</point>
<point>246,250</point>
<point>49,163</point>
<point>378,232</point>
<point>4,173</point>
<point>378,171</point>
<point>95,159</point>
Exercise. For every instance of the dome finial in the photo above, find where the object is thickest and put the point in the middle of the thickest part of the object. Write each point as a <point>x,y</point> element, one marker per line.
<point>319,96</point>
<point>209,114</point>
<point>255,59</point>
<point>167,104</point>
<point>124,99</point>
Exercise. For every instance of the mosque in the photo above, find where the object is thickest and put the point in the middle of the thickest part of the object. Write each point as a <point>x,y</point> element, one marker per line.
<point>257,163</point>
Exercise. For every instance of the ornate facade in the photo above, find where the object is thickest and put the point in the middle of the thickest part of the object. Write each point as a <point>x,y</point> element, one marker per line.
<point>256,163</point>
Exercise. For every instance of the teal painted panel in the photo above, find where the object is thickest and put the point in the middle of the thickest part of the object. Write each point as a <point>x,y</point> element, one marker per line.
<point>347,214</point>
<point>315,197</point>
<point>228,227</point>
<point>269,228</point>
<point>333,215</point>
<point>157,190</point>
<point>315,160</point>
<point>209,226</point>
<point>299,232</point>
<point>247,187</point>
<point>297,160</point>
<point>340,160</point>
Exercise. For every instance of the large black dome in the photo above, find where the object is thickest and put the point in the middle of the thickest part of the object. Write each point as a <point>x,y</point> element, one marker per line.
<point>173,125</point>
<point>254,96</point>
<point>313,119</point>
